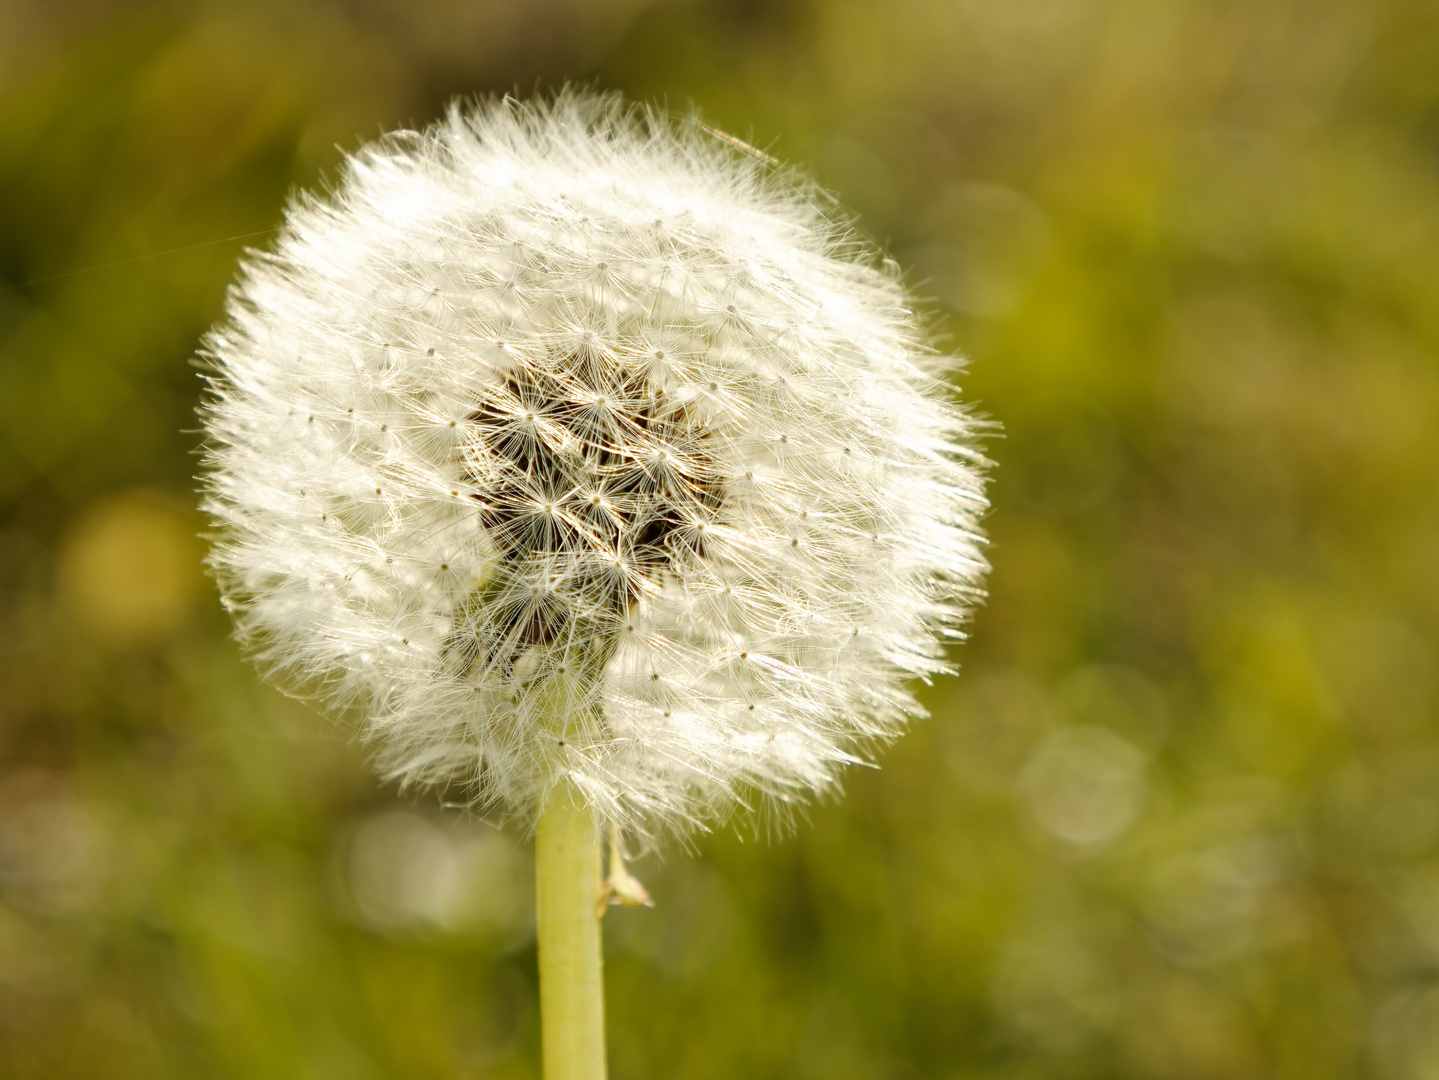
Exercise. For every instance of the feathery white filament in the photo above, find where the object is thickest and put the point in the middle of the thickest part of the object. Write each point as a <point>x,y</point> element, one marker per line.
<point>570,444</point>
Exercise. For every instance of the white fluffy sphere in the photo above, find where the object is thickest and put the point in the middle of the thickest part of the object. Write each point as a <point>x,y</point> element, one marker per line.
<point>569,444</point>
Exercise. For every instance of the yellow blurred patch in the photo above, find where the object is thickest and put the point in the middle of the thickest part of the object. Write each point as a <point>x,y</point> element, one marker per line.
<point>130,568</point>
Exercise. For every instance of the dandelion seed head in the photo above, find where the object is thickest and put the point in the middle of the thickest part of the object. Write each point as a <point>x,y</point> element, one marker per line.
<point>493,452</point>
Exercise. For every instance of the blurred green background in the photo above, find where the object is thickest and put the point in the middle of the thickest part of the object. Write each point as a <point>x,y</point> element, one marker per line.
<point>1177,818</point>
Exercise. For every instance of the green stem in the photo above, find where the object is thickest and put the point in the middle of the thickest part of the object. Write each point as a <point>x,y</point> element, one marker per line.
<point>567,884</point>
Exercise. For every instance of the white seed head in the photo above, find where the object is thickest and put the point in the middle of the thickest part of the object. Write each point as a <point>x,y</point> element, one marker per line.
<point>567,443</point>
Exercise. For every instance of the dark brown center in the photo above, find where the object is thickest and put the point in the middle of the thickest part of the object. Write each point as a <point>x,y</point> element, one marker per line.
<point>587,487</point>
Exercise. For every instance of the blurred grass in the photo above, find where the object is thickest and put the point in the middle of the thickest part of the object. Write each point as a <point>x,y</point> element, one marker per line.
<point>1179,817</point>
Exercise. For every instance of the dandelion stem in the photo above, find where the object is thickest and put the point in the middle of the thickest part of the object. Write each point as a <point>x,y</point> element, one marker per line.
<point>567,884</point>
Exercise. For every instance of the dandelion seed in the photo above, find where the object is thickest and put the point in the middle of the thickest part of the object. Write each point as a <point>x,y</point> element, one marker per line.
<point>615,316</point>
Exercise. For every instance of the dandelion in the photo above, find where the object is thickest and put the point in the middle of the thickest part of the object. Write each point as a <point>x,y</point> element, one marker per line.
<point>590,460</point>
